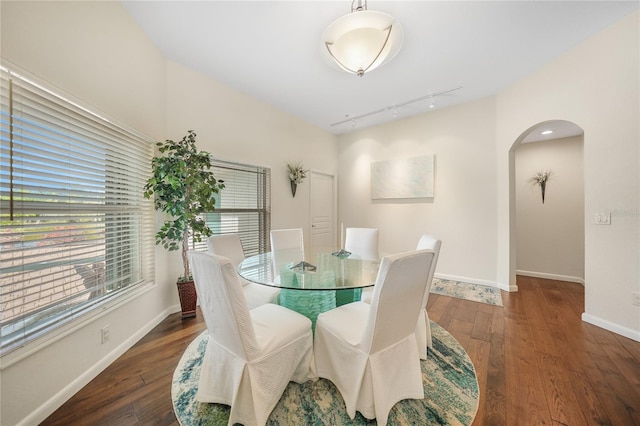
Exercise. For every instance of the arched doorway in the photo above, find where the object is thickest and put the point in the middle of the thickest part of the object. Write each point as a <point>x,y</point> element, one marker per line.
<point>548,236</point>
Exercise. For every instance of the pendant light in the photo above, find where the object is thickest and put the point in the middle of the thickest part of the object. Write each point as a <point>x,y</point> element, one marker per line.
<point>362,40</point>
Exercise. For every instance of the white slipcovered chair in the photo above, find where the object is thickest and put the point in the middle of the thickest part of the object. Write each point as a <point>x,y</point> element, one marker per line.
<point>362,243</point>
<point>287,246</point>
<point>423,329</point>
<point>251,355</point>
<point>230,246</point>
<point>369,351</point>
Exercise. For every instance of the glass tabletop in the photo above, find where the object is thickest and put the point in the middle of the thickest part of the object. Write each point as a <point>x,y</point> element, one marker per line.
<point>297,270</point>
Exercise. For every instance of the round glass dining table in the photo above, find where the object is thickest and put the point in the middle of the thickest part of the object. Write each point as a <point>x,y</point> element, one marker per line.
<point>311,283</point>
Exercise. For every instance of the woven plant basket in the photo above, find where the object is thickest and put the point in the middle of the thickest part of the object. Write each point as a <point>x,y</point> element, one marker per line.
<point>188,298</point>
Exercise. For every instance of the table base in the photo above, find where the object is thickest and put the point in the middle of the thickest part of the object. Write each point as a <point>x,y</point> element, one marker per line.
<point>311,303</point>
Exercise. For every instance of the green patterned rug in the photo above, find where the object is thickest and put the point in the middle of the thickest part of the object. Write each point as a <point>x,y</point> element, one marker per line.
<point>467,291</point>
<point>449,378</point>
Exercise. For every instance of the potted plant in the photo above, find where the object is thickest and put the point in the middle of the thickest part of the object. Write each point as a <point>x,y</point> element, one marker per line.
<point>184,187</point>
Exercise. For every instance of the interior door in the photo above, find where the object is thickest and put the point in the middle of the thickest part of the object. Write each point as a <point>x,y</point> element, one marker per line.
<point>323,211</point>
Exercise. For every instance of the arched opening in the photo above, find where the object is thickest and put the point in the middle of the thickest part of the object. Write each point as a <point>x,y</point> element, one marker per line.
<point>547,237</point>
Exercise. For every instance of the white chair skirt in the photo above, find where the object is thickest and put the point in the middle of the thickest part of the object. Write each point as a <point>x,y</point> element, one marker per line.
<point>253,388</point>
<point>357,379</point>
<point>423,328</point>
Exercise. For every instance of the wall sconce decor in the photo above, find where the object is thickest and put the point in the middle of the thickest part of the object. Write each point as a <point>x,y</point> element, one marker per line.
<point>541,179</point>
<point>296,174</point>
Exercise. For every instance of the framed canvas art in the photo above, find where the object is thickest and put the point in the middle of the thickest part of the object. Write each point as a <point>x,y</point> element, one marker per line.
<point>404,178</point>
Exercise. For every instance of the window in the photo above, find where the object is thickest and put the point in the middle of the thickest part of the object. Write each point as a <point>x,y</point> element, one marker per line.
<point>243,206</point>
<point>75,229</point>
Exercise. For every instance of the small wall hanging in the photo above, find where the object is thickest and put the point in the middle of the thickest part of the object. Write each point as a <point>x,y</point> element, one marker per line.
<point>541,179</point>
<point>296,174</point>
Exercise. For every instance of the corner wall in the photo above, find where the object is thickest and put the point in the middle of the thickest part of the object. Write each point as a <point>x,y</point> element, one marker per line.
<point>236,127</point>
<point>96,53</point>
<point>595,86</point>
<point>463,211</point>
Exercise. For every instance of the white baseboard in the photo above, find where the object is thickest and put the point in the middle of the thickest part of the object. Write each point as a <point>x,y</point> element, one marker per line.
<point>501,286</point>
<point>56,401</point>
<point>465,280</point>
<point>511,288</point>
<point>547,276</point>
<point>615,328</point>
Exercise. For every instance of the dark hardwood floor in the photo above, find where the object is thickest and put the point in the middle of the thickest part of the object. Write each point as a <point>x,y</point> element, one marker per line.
<point>536,361</point>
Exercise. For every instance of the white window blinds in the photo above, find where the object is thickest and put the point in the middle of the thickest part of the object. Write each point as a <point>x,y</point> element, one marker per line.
<point>75,228</point>
<point>242,207</point>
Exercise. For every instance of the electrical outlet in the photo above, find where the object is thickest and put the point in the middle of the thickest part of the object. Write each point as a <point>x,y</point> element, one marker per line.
<point>636,299</point>
<point>603,218</point>
<point>105,333</point>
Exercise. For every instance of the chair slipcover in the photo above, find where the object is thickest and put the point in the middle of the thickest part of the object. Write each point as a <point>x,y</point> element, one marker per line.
<point>287,246</point>
<point>230,246</point>
<point>251,355</point>
<point>369,351</point>
<point>227,245</point>
<point>423,329</point>
<point>362,243</point>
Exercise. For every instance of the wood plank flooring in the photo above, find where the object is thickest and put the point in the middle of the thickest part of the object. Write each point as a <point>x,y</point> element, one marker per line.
<point>536,361</point>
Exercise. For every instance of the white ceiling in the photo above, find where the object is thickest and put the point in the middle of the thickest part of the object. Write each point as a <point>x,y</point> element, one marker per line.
<point>555,129</point>
<point>271,50</point>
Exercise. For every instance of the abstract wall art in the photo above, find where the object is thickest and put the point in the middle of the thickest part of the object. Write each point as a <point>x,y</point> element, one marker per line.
<point>403,178</point>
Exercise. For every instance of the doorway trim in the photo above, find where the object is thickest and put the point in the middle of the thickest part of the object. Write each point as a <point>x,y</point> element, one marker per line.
<point>512,286</point>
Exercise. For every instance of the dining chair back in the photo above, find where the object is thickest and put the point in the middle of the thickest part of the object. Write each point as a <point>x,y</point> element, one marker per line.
<point>227,245</point>
<point>423,328</point>
<point>362,243</point>
<point>251,355</point>
<point>369,351</point>
<point>230,246</point>
<point>287,246</point>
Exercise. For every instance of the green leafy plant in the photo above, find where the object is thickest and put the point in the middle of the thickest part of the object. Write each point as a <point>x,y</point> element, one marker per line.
<point>184,187</point>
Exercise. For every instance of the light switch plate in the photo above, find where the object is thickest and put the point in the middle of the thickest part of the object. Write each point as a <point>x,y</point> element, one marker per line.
<point>603,218</point>
<point>105,333</point>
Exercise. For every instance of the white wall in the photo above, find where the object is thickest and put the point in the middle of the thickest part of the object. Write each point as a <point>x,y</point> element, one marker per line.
<point>463,211</point>
<point>550,236</point>
<point>95,52</point>
<point>596,86</point>
<point>239,128</point>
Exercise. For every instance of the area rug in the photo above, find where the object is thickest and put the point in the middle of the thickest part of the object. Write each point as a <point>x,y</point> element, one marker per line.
<point>467,291</point>
<point>449,378</point>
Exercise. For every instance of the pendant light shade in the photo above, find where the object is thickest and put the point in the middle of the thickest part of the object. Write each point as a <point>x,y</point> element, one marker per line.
<point>362,40</point>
